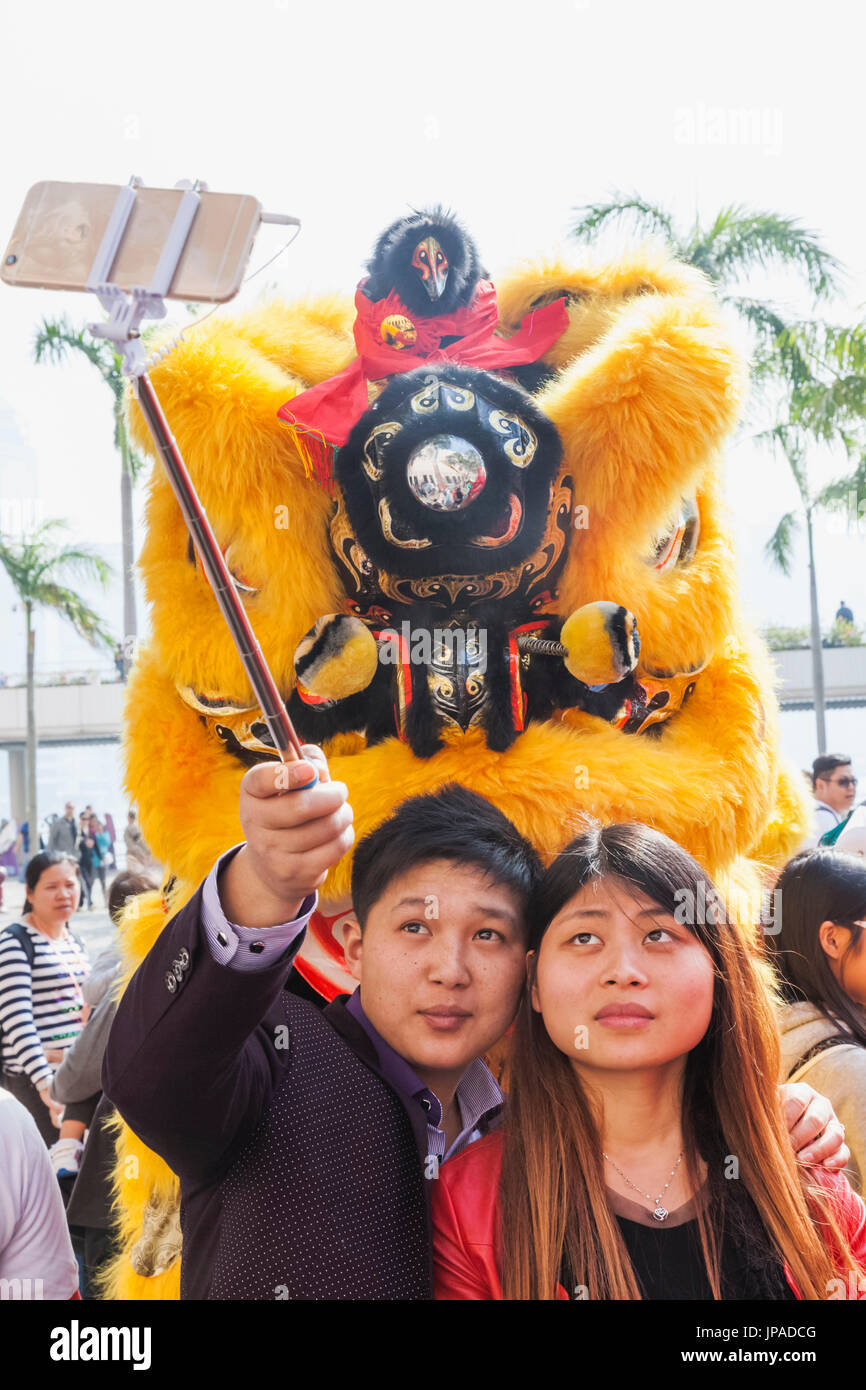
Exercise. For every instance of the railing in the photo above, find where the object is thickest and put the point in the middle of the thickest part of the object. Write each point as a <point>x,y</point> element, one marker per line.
<point>100,674</point>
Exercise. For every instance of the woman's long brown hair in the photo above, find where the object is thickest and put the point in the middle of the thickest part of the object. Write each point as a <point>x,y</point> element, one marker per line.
<point>554,1212</point>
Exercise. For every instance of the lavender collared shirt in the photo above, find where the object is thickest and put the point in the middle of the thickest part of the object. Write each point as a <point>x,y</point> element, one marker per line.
<point>478,1096</point>
<point>247,948</point>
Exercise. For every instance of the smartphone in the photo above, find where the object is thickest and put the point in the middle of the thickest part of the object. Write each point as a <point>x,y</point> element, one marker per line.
<point>61,226</point>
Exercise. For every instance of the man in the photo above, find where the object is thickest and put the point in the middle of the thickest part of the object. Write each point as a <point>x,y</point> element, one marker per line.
<point>306,1140</point>
<point>834,787</point>
<point>64,834</point>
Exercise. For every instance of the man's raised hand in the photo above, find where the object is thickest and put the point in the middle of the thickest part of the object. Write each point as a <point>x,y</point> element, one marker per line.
<point>294,832</point>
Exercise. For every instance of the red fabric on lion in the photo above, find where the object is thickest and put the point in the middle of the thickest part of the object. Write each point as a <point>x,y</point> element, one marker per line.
<point>331,408</point>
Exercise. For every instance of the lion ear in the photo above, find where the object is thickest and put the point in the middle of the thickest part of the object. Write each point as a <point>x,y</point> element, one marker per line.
<point>222,384</point>
<point>595,293</point>
<point>642,409</point>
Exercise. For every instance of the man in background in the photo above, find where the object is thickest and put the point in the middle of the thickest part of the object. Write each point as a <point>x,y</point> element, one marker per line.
<point>138,857</point>
<point>834,786</point>
<point>64,834</point>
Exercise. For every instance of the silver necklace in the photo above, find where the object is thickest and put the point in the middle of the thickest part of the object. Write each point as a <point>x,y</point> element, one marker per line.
<point>660,1213</point>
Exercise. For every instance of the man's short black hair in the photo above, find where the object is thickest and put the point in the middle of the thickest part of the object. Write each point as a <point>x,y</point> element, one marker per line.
<point>452,823</point>
<point>826,764</point>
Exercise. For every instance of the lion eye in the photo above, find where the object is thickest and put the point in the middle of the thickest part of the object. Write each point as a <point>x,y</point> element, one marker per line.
<point>241,581</point>
<point>678,543</point>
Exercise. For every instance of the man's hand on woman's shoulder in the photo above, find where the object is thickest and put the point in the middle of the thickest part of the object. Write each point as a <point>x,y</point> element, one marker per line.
<point>817,1135</point>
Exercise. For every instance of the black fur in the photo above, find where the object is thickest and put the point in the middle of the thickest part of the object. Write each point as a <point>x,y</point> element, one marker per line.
<point>451,532</point>
<point>532,376</point>
<point>390,265</point>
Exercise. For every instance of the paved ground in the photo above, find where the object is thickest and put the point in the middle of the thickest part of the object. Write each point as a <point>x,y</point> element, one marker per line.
<point>94,928</point>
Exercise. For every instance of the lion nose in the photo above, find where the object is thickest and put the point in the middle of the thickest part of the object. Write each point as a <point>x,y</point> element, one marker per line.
<point>446,473</point>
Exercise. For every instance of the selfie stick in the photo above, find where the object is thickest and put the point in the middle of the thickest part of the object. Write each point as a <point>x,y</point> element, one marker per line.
<point>126,310</point>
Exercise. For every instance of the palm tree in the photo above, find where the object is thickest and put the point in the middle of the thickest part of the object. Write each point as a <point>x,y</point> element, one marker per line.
<point>792,358</point>
<point>728,250</point>
<point>779,551</point>
<point>57,341</point>
<point>37,567</point>
<point>826,372</point>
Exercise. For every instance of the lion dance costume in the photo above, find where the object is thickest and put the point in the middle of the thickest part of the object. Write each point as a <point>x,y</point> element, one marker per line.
<point>481,538</point>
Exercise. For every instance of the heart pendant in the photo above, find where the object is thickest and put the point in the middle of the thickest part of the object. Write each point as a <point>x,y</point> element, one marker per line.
<point>660,1213</point>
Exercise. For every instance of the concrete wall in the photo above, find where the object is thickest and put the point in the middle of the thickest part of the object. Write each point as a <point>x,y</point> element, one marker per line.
<point>64,713</point>
<point>844,673</point>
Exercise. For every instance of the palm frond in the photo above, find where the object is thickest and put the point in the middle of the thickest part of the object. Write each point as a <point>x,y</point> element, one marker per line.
<point>769,360</point>
<point>790,440</point>
<point>840,490</point>
<point>766,321</point>
<point>86,563</point>
<point>780,547</point>
<point>56,340</point>
<point>645,216</point>
<point>825,371</point>
<point>37,567</point>
<point>740,241</point>
<point>15,567</point>
<point>137,464</point>
<point>71,606</point>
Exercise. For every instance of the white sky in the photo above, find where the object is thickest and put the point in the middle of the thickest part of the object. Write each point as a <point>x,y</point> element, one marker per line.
<point>514,113</point>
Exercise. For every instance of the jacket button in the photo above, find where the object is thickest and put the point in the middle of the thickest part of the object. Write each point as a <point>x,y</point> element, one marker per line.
<point>183,958</point>
<point>222,938</point>
<point>170,982</point>
<point>178,971</point>
<point>257,947</point>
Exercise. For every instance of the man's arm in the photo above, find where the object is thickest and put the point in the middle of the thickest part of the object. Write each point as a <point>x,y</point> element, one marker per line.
<point>191,1062</point>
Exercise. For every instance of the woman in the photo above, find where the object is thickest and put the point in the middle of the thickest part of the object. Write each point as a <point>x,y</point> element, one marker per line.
<point>820,956</point>
<point>101,853</point>
<point>42,967</point>
<point>87,854</point>
<point>644,1153</point>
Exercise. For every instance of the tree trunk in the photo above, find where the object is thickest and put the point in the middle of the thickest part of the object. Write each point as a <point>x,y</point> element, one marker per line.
<point>130,622</point>
<point>32,808</point>
<point>817,654</point>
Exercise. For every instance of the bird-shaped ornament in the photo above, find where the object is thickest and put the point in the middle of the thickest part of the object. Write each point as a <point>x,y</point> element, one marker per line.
<point>425,298</point>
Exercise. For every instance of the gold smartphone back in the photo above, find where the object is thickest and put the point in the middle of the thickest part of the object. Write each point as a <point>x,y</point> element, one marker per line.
<point>61,226</point>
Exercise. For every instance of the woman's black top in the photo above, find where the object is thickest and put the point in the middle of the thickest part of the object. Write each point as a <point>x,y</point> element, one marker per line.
<point>669,1264</point>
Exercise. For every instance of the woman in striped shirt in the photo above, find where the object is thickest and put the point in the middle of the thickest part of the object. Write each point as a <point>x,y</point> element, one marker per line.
<point>42,1009</point>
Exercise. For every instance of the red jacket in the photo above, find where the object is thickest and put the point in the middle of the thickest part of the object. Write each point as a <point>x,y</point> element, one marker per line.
<point>466,1217</point>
